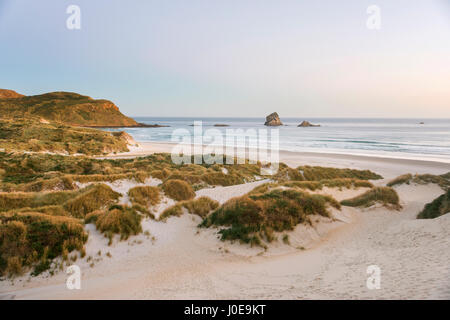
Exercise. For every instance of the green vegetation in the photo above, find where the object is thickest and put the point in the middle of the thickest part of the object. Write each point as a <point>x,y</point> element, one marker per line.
<point>121,220</point>
<point>387,196</point>
<point>437,207</point>
<point>34,239</point>
<point>252,218</point>
<point>144,195</point>
<point>66,107</point>
<point>178,190</point>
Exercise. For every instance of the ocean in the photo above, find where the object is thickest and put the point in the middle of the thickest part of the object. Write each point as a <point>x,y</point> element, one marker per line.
<point>397,138</point>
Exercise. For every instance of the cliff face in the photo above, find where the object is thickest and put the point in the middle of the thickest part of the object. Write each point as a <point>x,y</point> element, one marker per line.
<point>9,94</point>
<point>67,107</point>
<point>273,120</point>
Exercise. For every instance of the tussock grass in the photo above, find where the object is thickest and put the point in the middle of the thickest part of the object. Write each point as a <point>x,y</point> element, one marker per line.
<point>201,206</point>
<point>254,217</point>
<point>121,220</point>
<point>91,198</point>
<point>173,211</point>
<point>145,195</point>
<point>436,208</point>
<point>384,195</point>
<point>405,178</point>
<point>32,239</point>
<point>178,190</point>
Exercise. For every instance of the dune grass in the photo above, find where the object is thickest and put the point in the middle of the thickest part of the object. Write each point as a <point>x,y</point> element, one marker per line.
<point>316,173</point>
<point>178,190</point>
<point>91,198</point>
<point>201,206</point>
<point>121,220</point>
<point>387,196</point>
<point>32,239</point>
<point>76,203</point>
<point>404,178</point>
<point>441,180</point>
<point>144,195</point>
<point>436,208</point>
<point>254,217</point>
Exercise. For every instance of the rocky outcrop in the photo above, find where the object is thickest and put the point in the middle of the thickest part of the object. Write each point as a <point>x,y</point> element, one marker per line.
<point>9,94</point>
<point>273,120</point>
<point>308,124</point>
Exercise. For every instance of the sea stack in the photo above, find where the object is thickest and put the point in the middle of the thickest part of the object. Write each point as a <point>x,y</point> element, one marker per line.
<point>273,120</point>
<point>308,124</point>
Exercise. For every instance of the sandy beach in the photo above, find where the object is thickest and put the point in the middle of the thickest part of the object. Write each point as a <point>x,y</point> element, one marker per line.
<point>327,260</point>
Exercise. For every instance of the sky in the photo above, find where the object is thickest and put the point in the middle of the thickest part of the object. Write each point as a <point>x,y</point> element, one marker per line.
<point>234,58</point>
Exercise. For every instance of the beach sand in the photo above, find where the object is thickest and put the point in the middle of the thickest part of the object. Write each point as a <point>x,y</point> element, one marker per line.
<point>327,260</point>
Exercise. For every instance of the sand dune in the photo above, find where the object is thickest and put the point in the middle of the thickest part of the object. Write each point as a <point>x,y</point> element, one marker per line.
<point>325,261</point>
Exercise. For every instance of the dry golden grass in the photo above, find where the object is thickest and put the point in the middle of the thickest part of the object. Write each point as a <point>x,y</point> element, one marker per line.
<point>121,220</point>
<point>145,195</point>
<point>178,190</point>
<point>92,198</point>
<point>201,206</point>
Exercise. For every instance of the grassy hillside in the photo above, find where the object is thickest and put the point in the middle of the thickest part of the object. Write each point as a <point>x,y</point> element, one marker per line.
<point>9,94</point>
<point>35,136</point>
<point>69,108</point>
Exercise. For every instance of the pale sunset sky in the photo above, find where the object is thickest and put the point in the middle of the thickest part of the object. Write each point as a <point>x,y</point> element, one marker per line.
<point>236,58</point>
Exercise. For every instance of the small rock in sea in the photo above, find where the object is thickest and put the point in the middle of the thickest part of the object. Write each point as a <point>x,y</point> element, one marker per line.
<point>308,124</point>
<point>221,125</point>
<point>273,120</point>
